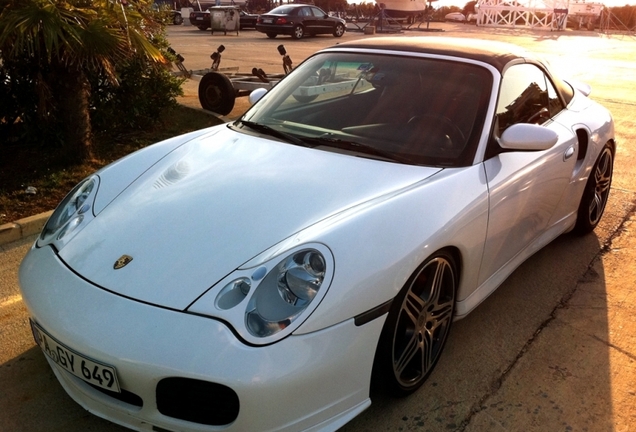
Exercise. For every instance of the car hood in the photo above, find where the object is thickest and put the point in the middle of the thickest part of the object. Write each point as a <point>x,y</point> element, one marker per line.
<point>214,203</point>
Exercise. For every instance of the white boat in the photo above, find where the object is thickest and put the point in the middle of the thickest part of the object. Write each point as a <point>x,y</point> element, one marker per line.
<point>581,8</point>
<point>399,8</point>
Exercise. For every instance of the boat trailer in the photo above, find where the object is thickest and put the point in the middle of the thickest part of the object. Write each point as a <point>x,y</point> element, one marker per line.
<point>219,87</point>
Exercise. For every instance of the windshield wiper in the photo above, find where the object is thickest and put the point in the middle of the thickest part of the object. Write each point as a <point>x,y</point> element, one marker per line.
<point>330,141</point>
<point>326,140</point>
<point>268,130</point>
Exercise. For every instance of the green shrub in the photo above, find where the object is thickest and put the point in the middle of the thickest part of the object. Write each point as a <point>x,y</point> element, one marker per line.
<point>94,75</point>
<point>144,91</point>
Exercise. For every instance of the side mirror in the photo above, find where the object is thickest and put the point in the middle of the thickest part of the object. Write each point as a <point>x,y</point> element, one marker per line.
<point>524,136</point>
<point>584,88</point>
<point>256,95</point>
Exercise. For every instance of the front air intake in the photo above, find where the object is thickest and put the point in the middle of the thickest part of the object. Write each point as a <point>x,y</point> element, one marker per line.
<point>197,401</point>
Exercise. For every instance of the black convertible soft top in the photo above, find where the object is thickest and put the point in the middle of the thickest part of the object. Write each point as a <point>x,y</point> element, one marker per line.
<point>497,54</point>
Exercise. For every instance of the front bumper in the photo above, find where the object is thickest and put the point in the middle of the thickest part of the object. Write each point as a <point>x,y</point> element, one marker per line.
<point>317,381</point>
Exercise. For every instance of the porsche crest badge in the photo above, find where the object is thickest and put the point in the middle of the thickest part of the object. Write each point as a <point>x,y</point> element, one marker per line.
<point>122,262</point>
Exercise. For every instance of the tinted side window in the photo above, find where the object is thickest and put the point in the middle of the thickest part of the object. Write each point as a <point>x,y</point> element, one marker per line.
<point>526,96</point>
<point>317,12</point>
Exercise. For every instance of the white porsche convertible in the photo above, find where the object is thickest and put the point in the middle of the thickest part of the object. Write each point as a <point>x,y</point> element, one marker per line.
<point>263,274</point>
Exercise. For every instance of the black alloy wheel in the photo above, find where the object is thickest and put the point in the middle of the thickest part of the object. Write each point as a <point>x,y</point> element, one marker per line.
<point>417,327</point>
<point>596,192</point>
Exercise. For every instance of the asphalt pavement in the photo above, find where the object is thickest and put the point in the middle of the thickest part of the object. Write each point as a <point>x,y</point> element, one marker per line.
<point>553,349</point>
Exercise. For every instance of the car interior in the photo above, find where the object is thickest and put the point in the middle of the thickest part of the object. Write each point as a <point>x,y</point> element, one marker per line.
<point>422,113</point>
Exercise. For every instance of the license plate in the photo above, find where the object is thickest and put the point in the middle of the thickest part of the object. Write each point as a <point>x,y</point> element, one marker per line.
<point>199,18</point>
<point>91,371</point>
<point>267,21</point>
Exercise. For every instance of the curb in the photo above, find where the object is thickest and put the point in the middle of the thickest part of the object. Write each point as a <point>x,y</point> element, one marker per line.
<point>19,229</point>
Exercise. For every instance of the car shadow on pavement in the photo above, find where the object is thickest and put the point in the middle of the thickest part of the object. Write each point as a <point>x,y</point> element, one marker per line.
<point>31,399</point>
<point>532,357</point>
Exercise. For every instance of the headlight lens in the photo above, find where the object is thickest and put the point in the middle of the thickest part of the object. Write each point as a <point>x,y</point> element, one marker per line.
<point>71,212</point>
<point>285,292</point>
<point>266,303</point>
<point>301,277</point>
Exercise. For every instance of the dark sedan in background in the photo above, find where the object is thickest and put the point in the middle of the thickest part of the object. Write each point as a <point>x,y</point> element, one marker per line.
<point>201,19</point>
<point>248,20</point>
<point>298,20</point>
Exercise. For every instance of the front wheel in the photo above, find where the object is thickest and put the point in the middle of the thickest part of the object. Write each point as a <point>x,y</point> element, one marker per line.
<point>177,20</point>
<point>339,30</point>
<point>596,192</point>
<point>298,32</point>
<point>417,326</point>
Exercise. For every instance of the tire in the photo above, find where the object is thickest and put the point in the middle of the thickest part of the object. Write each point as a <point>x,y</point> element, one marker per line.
<point>202,28</point>
<point>177,20</point>
<point>298,32</point>
<point>596,192</point>
<point>271,35</point>
<point>417,327</point>
<point>216,93</point>
<point>339,30</point>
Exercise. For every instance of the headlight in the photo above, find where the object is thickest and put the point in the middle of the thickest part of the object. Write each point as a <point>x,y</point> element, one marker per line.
<point>74,210</point>
<point>267,303</point>
<point>285,292</point>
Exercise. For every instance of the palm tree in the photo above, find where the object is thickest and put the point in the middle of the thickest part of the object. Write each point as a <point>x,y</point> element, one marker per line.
<point>65,41</point>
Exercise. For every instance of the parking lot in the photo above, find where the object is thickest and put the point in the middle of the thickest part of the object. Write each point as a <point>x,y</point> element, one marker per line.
<point>553,349</point>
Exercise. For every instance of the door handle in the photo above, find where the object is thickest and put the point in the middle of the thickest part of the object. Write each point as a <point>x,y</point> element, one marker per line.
<point>569,153</point>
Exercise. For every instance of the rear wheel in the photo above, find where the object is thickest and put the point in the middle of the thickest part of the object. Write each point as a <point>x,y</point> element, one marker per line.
<point>417,326</point>
<point>202,27</point>
<point>298,32</point>
<point>216,93</point>
<point>271,35</point>
<point>177,20</point>
<point>596,192</point>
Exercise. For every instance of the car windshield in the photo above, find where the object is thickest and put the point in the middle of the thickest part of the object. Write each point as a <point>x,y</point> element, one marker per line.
<point>412,110</point>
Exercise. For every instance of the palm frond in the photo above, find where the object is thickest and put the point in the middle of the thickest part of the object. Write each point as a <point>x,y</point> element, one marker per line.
<point>79,33</point>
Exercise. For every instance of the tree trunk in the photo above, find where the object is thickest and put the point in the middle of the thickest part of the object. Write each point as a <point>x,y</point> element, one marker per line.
<point>71,91</point>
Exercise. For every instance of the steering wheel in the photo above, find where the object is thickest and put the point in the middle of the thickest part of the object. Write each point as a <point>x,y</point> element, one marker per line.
<point>539,117</point>
<point>447,135</point>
